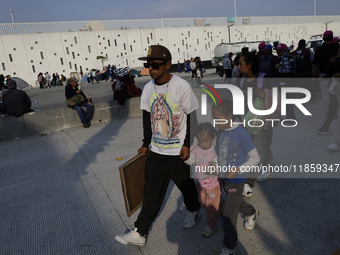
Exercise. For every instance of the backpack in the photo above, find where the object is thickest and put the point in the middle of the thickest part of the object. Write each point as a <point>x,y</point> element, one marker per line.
<point>266,66</point>
<point>260,78</point>
<point>297,63</point>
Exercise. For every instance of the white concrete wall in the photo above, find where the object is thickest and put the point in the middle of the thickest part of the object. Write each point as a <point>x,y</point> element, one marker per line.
<point>127,45</point>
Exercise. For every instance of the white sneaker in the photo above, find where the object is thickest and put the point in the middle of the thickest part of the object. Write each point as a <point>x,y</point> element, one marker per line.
<point>191,219</point>
<point>208,232</point>
<point>132,237</point>
<point>333,147</point>
<point>247,191</point>
<point>263,177</point>
<point>249,222</point>
<point>226,251</point>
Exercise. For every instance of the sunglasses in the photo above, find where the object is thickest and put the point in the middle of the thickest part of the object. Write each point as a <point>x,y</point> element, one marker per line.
<point>154,65</point>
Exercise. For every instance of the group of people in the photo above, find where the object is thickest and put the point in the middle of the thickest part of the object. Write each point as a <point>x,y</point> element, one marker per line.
<point>186,66</point>
<point>165,127</point>
<point>91,75</point>
<point>169,126</point>
<point>48,82</point>
<point>195,66</point>
<point>229,68</point>
<point>125,86</point>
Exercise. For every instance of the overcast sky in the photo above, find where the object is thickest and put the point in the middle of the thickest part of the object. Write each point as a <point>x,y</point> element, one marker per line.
<point>72,10</point>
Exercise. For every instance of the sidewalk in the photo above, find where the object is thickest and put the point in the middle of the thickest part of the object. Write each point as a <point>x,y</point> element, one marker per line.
<point>61,194</point>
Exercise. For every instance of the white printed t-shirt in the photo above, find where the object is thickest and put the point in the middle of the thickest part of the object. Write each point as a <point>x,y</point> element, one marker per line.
<point>168,105</point>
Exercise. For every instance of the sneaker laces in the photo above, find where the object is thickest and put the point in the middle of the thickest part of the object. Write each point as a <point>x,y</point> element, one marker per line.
<point>190,215</point>
<point>131,232</point>
<point>245,217</point>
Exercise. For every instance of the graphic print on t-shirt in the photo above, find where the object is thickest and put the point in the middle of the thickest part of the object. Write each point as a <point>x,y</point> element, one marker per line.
<point>228,151</point>
<point>165,125</point>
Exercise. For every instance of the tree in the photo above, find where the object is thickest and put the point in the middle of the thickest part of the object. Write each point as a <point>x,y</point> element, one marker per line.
<point>102,58</point>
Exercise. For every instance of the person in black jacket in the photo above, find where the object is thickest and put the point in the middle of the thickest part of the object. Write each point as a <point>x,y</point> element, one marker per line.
<point>71,90</point>
<point>17,101</point>
<point>2,85</point>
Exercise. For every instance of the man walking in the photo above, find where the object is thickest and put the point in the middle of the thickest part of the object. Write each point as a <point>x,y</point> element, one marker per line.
<point>109,74</point>
<point>226,67</point>
<point>168,104</point>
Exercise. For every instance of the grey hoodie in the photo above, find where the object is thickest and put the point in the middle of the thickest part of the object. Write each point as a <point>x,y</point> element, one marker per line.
<point>226,62</point>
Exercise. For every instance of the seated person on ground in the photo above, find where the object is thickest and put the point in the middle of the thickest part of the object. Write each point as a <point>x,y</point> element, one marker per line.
<point>17,101</point>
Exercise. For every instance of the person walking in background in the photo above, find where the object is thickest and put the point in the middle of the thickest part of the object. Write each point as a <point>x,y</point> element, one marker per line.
<point>108,73</point>
<point>88,75</point>
<point>199,65</point>
<point>54,80</point>
<point>185,66</point>
<point>193,69</point>
<point>81,76</point>
<point>41,80</point>
<point>3,87</point>
<point>94,76</point>
<point>226,68</point>
<point>48,80</point>
<point>261,50</point>
<point>58,79</point>
<point>307,56</point>
<point>262,138</point>
<point>179,67</point>
<point>334,71</point>
<point>71,89</point>
<point>321,62</point>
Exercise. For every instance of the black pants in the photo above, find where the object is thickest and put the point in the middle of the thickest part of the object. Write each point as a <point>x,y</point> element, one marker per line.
<point>193,72</point>
<point>227,73</point>
<point>233,204</point>
<point>159,170</point>
<point>331,113</point>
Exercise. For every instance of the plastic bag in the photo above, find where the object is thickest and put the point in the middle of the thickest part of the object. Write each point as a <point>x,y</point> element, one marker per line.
<point>256,121</point>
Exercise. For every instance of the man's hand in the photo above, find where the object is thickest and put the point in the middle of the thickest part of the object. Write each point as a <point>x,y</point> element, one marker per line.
<point>230,174</point>
<point>277,66</point>
<point>259,92</point>
<point>185,153</point>
<point>333,59</point>
<point>89,103</point>
<point>79,91</point>
<point>143,150</point>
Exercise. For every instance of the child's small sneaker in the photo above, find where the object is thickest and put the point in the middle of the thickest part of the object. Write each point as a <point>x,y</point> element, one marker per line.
<point>208,232</point>
<point>191,219</point>
<point>247,191</point>
<point>249,222</point>
<point>226,251</point>
<point>132,237</point>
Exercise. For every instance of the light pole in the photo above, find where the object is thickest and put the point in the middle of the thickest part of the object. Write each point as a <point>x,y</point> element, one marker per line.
<point>229,30</point>
<point>314,8</point>
<point>235,10</point>
<point>11,12</point>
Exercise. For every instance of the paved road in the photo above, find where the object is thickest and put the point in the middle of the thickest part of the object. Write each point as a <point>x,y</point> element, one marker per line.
<point>52,98</point>
<point>61,194</point>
